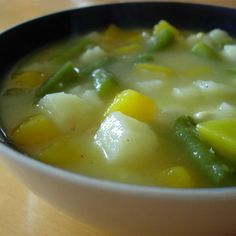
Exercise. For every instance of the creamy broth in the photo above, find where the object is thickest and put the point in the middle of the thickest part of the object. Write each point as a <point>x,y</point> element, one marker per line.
<point>109,104</point>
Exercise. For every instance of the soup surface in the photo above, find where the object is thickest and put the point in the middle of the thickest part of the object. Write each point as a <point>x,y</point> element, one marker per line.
<point>145,106</point>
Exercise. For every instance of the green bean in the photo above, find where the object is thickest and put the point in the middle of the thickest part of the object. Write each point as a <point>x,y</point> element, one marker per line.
<point>164,39</point>
<point>203,50</point>
<point>87,70</point>
<point>104,82</point>
<point>200,154</point>
<point>64,76</point>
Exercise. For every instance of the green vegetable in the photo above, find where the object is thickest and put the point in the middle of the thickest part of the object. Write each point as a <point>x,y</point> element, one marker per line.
<point>203,50</point>
<point>161,41</point>
<point>200,154</point>
<point>145,57</point>
<point>88,69</point>
<point>65,76</point>
<point>104,82</point>
<point>74,51</point>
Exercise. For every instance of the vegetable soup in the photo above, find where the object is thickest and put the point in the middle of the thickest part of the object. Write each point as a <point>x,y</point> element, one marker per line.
<point>143,106</point>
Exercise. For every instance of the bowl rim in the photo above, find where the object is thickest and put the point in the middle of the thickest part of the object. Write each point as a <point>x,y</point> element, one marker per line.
<point>7,152</point>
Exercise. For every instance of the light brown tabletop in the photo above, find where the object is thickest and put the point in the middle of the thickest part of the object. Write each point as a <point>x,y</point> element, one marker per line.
<point>21,212</point>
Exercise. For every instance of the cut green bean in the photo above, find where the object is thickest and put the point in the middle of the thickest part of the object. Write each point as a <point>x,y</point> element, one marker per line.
<point>145,57</point>
<point>161,41</point>
<point>74,51</point>
<point>104,82</point>
<point>65,76</point>
<point>203,50</point>
<point>200,154</point>
<point>87,70</point>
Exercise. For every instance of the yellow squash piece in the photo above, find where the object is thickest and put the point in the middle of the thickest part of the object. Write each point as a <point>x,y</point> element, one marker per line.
<point>35,130</point>
<point>221,135</point>
<point>134,104</point>
<point>177,177</point>
<point>155,68</point>
<point>28,80</point>
<point>163,25</point>
<point>64,152</point>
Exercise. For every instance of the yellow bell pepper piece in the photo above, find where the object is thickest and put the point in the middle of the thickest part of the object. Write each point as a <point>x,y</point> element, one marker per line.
<point>177,177</point>
<point>134,104</point>
<point>221,135</point>
<point>155,68</point>
<point>63,152</point>
<point>28,80</point>
<point>163,25</point>
<point>35,130</point>
<point>128,49</point>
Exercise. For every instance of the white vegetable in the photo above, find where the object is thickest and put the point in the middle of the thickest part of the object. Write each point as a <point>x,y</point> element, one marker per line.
<point>229,52</point>
<point>92,54</point>
<point>224,110</point>
<point>123,139</point>
<point>149,87</point>
<point>220,36</point>
<point>70,112</point>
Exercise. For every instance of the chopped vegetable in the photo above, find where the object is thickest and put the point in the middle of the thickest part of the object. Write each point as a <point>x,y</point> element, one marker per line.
<point>164,25</point>
<point>203,50</point>
<point>104,82</point>
<point>221,135</point>
<point>65,76</point>
<point>134,104</point>
<point>35,130</point>
<point>177,177</point>
<point>164,39</point>
<point>124,139</point>
<point>87,70</point>
<point>155,68</point>
<point>200,154</point>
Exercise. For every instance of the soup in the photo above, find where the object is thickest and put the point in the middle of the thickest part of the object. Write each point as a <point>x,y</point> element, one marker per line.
<point>144,106</point>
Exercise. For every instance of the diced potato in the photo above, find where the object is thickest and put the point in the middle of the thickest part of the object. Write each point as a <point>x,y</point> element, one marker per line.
<point>70,112</point>
<point>64,152</point>
<point>220,36</point>
<point>229,52</point>
<point>163,25</point>
<point>125,140</point>
<point>92,54</point>
<point>149,87</point>
<point>221,135</point>
<point>134,104</point>
<point>35,130</point>
<point>177,177</point>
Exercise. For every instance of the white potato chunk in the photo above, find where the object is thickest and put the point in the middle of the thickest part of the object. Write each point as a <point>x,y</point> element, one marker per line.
<point>92,54</point>
<point>229,52</point>
<point>123,139</point>
<point>70,112</point>
<point>219,36</point>
<point>150,87</point>
<point>210,87</point>
<point>224,110</point>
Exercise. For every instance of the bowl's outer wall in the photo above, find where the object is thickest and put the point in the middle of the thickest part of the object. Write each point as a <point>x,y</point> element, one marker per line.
<point>119,209</point>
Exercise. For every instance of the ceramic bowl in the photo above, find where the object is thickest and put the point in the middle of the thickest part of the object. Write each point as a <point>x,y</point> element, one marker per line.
<point>109,206</point>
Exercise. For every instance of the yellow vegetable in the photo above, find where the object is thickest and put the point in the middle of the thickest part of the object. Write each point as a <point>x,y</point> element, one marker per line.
<point>177,177</point>
<point>134,104</point>
<point>63,152</point>
<point>163,25</point>
<point>37,129</point>
<point>28,79</point>
<point>155,68</point>
<point>221,135</point>
<point>128,49</point>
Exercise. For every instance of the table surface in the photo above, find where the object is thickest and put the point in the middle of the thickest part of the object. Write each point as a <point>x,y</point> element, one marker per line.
<point>21,212</point>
